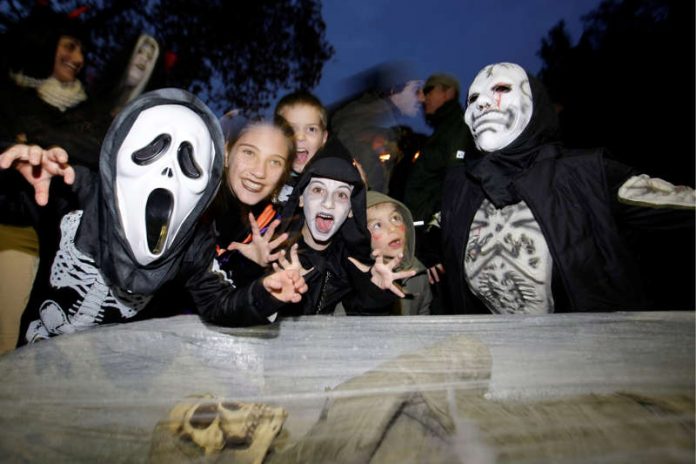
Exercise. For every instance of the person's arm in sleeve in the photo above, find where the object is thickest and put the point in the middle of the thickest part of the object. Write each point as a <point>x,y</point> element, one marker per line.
<point>646,202</point>
<point>218,301</point>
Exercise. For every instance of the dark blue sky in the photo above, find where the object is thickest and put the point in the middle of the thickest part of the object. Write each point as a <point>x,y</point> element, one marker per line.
<point>454,36</point>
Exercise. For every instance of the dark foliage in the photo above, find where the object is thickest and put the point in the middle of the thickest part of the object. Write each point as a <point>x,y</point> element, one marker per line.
<point>233,54</point>
<point>629,85</point>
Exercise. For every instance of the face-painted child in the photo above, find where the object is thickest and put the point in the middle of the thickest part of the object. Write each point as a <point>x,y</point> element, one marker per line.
<point>326,205</point>
<point>393,237</point>
<point>387,229</point>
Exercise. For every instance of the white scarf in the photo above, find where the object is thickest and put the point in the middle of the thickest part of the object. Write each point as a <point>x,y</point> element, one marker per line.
<point>58,94</point>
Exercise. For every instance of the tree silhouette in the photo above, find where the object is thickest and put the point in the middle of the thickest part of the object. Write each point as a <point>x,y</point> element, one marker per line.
<point>232,54</point>
<point>628,85</point>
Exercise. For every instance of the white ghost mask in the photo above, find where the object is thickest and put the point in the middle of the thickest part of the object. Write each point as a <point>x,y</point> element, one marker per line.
<point>499,106</point>
<point>326,205</point>
<point>142,61</point>
<point>162,170</point>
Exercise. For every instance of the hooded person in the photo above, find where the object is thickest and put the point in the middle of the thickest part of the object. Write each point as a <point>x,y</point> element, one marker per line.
<point>137,226</point>
<point>325,215</point>
<point>534,227</point>
<point>391,227</point>
<point>41,65</point>
<point>366,122</point>
<point>80,132</point>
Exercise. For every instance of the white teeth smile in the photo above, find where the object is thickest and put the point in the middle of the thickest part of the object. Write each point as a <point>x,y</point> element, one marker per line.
<point>251,185</point>
<point>325,216</point>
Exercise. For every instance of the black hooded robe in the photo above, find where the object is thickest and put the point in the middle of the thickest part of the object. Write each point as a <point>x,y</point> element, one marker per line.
<point>573,197</point>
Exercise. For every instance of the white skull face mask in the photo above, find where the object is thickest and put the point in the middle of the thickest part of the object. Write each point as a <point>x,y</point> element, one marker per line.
<point>326,205</point>
<point>499,106</point>
<point>162,170</point>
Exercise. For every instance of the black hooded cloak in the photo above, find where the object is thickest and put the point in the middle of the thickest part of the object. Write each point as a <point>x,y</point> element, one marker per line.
<point>573,197</point>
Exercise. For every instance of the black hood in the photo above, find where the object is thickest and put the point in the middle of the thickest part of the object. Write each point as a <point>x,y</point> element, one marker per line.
<point>496,170</point>
<point>101,234</point>
<point>333,162</point>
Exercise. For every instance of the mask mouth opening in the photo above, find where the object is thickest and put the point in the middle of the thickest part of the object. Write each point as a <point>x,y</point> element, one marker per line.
<point>158,212</point>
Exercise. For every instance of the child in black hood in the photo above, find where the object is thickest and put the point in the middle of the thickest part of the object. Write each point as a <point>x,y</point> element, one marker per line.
<point>326,216</point>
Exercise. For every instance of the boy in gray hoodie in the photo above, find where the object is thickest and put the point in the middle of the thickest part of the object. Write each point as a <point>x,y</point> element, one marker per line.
<point>392,232</point>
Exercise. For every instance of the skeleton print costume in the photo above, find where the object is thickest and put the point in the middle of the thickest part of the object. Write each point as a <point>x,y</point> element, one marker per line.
<point>534,227</point>
<point>137,225</point>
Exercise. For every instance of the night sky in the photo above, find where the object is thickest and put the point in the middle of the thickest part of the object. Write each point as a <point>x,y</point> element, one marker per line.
<point>454,36</point>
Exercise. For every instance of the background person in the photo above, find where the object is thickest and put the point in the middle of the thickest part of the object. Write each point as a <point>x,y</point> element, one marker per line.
<point>366,124</point>
<point>308,118</point>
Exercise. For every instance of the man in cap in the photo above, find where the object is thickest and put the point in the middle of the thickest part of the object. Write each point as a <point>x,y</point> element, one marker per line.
<point>448,145</point>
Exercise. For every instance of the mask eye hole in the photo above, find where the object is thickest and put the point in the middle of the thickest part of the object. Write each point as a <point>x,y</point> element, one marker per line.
<point>502,88</point>
<point>473,97</point>
<point>153,150</point>
<point>186,161</point>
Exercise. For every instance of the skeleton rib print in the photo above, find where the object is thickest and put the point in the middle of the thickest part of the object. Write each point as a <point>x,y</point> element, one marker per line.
<point>73,269</point>
<point>507,261</point>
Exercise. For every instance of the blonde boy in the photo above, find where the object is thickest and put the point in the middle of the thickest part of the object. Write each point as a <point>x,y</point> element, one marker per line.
<point>308,118</point>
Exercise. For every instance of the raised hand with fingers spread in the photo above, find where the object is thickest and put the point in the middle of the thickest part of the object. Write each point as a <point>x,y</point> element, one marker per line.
<point>383,275</point>
<point>260,249</point>
<point>286,285</point>
<point>294,263</point>
<point>38,166</point>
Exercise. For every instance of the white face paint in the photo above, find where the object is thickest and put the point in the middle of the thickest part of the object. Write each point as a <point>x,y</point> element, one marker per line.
<point>326,204</point>
<point>162,170</point>
<point>499,106</point>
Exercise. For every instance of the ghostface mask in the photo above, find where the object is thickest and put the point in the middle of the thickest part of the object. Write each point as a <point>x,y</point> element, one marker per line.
<point>499,106</point>
<point>162,170</point>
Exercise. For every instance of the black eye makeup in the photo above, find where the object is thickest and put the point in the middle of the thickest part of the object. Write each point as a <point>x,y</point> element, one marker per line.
<point>152,151</point>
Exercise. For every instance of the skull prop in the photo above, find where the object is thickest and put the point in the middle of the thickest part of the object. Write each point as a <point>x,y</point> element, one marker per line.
<point>246,430</point>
